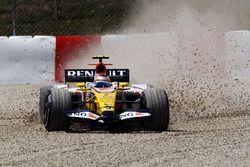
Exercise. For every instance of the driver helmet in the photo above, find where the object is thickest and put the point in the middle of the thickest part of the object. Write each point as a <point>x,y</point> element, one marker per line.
<point>102,78</point>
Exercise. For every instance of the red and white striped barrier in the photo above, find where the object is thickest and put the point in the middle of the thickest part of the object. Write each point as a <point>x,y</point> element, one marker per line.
<point>39,58</point>
<point>44,58</point>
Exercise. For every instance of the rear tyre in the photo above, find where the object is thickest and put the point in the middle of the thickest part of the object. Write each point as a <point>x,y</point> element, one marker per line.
<point>56,102</point>
<point>157,101</point>
<point>43,93</point>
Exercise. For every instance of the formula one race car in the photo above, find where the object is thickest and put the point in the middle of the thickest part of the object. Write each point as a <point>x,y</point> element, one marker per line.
<point>102,97</point>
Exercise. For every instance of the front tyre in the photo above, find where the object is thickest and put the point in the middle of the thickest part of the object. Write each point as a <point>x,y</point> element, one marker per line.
<point>44,90</point>
<point>56,102</point>
<point>157,101</point>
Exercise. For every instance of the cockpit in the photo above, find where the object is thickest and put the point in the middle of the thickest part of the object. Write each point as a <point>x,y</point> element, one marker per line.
<point>102,84</point>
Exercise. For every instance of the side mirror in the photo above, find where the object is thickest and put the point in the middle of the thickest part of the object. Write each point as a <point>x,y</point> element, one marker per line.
<point>123,84</point>
<point>81,85</point>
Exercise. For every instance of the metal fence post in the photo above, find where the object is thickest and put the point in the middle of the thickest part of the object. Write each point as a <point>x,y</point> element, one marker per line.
<point>55,9</point>
<point>13,14</point>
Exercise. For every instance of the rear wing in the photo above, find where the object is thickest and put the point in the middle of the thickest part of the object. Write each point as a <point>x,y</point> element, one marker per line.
<point>87,75</point>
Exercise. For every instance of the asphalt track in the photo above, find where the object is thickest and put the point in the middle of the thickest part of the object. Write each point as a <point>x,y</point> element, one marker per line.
<point>208,141</point>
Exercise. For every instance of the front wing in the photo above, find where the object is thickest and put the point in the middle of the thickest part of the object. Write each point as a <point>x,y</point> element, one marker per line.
<point>127,115</point>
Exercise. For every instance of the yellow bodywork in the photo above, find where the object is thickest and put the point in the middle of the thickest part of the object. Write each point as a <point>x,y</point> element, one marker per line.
<point>102,101</point>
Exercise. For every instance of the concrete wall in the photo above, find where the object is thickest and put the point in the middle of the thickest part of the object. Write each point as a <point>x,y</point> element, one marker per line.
<point>237,48</point>
<point>27,59</point>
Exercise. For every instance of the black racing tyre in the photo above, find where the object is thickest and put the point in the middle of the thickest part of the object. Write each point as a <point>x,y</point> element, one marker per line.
<point>56,102</point>
<point>43,93</point>
<point>157,101</point>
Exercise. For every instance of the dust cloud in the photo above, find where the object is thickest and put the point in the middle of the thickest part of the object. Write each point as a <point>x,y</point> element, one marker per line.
<point>182,16</point>
<point>183,47</point>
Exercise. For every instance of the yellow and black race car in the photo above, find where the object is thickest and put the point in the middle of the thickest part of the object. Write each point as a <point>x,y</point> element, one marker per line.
<point>102,97</point>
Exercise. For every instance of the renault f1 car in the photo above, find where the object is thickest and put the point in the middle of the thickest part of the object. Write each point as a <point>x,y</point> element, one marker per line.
<point>102,97</point>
